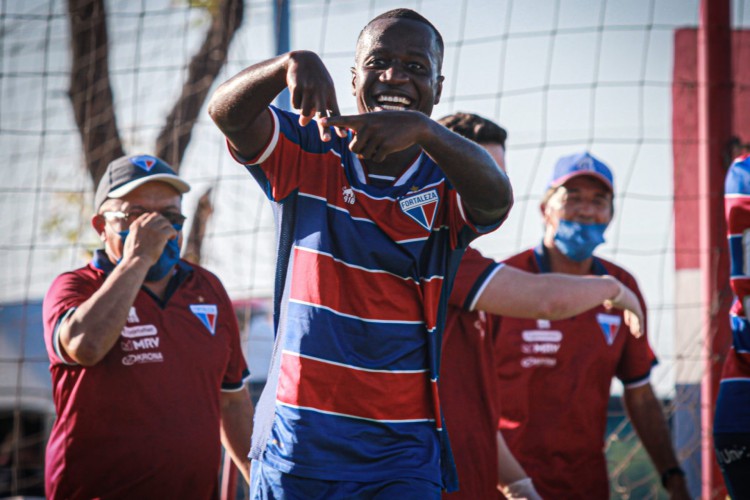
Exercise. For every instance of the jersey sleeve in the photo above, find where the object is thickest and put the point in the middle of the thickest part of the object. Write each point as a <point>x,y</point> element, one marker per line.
<point>278,169</point>
<point>67,292</point>
<point>637,358</point>
<point>737,212</point>
<point>463,230</point>
<point>474,273</point>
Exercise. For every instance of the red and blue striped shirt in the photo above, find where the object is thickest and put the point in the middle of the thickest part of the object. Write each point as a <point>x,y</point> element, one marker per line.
<point>360,298</point>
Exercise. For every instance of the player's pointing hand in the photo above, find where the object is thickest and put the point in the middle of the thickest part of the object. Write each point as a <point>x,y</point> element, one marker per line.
<point>380,134</point>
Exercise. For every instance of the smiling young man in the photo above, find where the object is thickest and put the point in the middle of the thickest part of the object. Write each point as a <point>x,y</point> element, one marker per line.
<point>373,215</point>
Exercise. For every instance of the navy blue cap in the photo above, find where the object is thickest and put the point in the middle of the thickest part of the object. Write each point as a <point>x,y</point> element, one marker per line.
<point>129,172</point>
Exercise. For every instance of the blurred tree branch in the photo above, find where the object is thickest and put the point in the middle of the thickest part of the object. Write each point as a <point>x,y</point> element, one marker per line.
<point>90,91</point>
<point>202,71</point>
<point>92,100</point>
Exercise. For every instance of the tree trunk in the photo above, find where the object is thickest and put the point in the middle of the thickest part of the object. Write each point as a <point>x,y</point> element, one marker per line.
<point>90,92</point>
<point>203,213</point>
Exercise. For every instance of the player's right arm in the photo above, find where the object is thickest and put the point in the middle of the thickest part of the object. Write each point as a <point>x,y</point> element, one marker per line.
<point>517,293</point>
<point>238,107</point>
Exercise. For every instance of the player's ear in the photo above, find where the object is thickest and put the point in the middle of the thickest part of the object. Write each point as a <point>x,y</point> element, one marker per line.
<point>354,80</point>
<point>439,89</point>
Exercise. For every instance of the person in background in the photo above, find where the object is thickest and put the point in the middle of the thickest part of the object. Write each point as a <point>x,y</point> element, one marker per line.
<point>554,375</point>
<point>732,419</point>
<point>469,383</point>
<point>374,211</point>
<point>147,371</point>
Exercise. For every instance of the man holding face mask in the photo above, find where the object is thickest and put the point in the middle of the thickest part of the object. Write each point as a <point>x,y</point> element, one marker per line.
<point>147,371</point>
<point>554,376</point>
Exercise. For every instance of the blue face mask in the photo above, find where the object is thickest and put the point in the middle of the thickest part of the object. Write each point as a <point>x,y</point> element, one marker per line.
<point>577,241</point>
<point>167,260</point>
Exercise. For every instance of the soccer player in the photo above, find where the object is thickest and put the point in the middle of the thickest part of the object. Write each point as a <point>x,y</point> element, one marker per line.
<point>732,419</point>
<point>468,381</point>
<point>555,375</point>
<point>147,371</point>
<point>372,220</point>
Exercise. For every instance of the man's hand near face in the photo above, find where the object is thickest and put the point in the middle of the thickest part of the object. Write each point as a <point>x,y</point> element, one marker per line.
<point>147,237</point>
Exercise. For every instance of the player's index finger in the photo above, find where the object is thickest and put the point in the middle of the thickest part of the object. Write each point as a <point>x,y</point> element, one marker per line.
<point>349,121</point>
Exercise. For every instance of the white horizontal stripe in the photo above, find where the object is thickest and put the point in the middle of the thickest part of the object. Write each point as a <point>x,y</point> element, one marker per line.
<point>382,177</point>
<point>639,383</point>
<point>244,381</point>
<point>736,195</point>
<point>407,421</point>
<point>352,367</point>
<point>374,271</point>
<point>353,266</point>
<point>735,379</point>
<point>412,240</point>
<point>335,207</point>
<point>366,320</point>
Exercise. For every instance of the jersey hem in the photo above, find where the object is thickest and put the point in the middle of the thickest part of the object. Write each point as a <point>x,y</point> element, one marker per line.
<point>333,474</point>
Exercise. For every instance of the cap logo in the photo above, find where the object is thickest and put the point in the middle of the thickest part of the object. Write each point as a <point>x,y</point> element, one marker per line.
<point>587,163</point>
<point>144,162</point>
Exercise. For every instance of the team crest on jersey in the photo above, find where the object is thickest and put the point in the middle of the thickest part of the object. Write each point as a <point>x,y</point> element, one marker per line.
<point>207,313</point>
<point>421,207</point>
<point>610,325</point>
<point>144,162</point>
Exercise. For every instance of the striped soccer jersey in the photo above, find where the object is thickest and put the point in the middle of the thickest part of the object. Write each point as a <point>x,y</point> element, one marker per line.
<point>733,406</point>
<point>359,310</point>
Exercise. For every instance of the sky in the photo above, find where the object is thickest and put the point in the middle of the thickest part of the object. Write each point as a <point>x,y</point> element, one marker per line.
<point>561,75</point>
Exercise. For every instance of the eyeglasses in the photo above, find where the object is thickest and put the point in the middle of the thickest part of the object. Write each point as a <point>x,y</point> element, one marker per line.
<point>174,218</point>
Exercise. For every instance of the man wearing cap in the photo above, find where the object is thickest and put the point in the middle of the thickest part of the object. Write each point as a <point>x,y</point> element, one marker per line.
<point>147,371</point>
<point>468,382</point>
<point>554,375</point>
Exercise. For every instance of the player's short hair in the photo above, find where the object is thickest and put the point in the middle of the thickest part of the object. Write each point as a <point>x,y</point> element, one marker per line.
<point>403,13</point>
<point>475,128</point>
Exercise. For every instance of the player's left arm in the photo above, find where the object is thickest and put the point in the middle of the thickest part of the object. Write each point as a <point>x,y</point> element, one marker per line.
<point>237,427</point>
<point>648,420</point>
<point>484,188</point>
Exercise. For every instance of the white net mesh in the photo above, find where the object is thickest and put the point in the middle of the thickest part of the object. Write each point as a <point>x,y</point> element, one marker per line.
<point>560,75</point>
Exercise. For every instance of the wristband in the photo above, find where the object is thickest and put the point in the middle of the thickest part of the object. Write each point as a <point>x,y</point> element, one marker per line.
<point>672,471</point>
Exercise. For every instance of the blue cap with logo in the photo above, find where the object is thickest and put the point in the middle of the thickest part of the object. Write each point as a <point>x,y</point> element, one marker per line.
<point>584,163</point>
<point>129,172</point>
